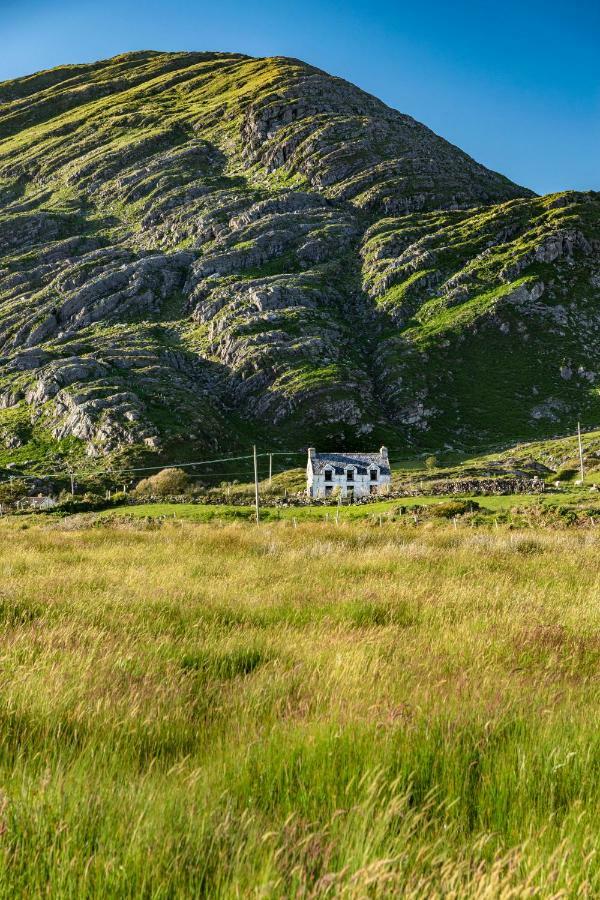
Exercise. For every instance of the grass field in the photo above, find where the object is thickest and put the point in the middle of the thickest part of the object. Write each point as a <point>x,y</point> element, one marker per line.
<point>227,710</point>
<point>201,512</point>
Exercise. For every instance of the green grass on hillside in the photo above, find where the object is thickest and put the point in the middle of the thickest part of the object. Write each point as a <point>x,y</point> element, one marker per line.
<point>232,711</point>
<point>343,324</point>
<point>560,509</point>
<point>200,512</point>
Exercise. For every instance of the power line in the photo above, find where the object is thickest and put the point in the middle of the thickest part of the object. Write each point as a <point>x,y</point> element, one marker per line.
<point>120,472</point>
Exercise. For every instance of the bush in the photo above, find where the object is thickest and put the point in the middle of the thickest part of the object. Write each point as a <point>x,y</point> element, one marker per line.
<point>431,463</point>
<point>12,491</point>
<point>451,508</point>
<point>87,503</point>
<point>166,483</point>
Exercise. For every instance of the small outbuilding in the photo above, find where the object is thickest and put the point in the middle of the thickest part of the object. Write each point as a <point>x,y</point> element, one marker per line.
<point>355,474</point>
<point>42,502</point>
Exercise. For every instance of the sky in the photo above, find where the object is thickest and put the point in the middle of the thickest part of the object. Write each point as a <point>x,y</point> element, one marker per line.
<point>515,84</point>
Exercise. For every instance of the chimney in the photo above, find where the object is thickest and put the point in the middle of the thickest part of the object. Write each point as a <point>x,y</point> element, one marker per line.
<point>311,451</point>
<point>383,451</point>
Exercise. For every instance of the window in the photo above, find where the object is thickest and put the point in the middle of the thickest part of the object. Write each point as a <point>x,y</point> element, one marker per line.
<point>350,475</point>
<point>328,474</point>
<point>373,488</point>
<point>373,474</point>
<point>328,490</point>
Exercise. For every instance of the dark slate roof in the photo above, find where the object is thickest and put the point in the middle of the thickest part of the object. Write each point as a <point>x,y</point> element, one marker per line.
<point>339,461</point>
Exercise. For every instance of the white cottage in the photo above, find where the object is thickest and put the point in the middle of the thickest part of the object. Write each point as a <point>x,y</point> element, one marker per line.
<point>356,474</point>
<point>41,502</point>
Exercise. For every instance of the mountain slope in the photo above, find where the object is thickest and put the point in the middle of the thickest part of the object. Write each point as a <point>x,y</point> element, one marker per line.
<point>197,249</point>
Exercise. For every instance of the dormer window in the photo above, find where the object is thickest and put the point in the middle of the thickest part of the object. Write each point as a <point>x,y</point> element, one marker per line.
<point>350,475</point>
<point>328,475</point>
<point>374,474</point>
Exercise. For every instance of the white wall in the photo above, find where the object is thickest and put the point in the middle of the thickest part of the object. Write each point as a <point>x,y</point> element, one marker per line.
<point>362,483</point>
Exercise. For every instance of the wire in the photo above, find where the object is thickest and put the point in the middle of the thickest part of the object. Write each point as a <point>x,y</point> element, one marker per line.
<point>124,471</point>
<point>120,472</point>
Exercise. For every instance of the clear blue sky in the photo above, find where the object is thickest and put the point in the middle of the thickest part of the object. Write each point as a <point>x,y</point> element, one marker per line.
<point>515,84</point>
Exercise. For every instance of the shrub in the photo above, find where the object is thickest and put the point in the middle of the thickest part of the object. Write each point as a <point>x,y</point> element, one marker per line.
<point>87,503</point>
<point>166,483</point>
<point>451,508</point>
<point>431,463</point>
<point>12,491</point>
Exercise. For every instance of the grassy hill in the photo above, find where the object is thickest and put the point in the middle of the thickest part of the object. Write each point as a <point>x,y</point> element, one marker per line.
<point>202,250</point>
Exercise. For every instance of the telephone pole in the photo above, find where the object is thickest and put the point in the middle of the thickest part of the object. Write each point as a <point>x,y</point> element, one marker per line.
<point>580,452</point>
<point>256,485</point>
<point>270,469</point>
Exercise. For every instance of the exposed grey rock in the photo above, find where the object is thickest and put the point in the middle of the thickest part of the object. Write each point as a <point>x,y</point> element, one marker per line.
<point>258,242</point>
<point>104,423</point>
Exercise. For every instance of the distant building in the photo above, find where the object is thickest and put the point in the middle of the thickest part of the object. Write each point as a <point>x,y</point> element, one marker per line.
<point>41,502</point>
<point>355,474</point>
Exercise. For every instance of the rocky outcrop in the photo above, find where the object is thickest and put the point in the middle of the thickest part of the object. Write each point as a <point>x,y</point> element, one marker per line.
<point>195,248</point>
<point>103,423</point>
<point>351,146</point>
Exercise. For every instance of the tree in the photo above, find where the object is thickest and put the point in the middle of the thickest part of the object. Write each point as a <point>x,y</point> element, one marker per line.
<point>431,463</point>
<point>12,491</point>
<point>167,482</point>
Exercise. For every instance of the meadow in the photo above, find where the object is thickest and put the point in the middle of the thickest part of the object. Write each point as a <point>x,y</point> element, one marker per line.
<point>229,710</point>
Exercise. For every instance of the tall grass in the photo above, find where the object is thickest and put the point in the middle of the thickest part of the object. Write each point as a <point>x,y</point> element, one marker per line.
<point>231,711</point>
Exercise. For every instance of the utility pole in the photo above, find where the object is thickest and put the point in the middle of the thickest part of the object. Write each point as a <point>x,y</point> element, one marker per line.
<point>270,469</point>
<point>256,485</point>
<point>580,452</point>
<point>72,484</point>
